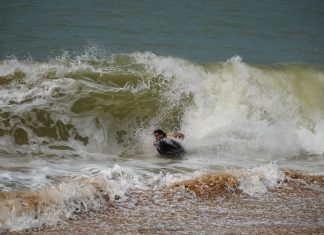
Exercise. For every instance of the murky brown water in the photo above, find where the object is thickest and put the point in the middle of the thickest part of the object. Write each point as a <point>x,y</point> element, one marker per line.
<point>178,209</point>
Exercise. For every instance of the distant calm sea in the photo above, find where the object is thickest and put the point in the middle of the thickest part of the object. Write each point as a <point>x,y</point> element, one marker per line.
<point>262,32</point>
<point>83,84</point>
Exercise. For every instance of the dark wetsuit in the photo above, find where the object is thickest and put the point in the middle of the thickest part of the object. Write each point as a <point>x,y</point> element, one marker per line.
<point>169,147</point>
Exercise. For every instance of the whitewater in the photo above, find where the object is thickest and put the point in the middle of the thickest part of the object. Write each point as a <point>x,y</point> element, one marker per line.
<point>76,136</point>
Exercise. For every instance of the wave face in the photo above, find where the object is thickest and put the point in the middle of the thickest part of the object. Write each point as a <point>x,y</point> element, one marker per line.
<point>105,104</point>
<point>73,118</point>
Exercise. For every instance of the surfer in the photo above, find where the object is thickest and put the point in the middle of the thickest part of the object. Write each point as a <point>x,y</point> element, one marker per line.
<point>166,145</point>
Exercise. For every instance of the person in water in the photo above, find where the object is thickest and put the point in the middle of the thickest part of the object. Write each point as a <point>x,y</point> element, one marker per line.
<point>168,146</point>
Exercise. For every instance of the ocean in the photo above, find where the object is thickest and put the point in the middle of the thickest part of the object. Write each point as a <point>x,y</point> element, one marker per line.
<point>83,85</point>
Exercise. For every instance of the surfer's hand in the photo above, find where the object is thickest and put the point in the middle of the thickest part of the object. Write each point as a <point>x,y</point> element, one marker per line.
<point>176,134</point>
<point>179,135</point>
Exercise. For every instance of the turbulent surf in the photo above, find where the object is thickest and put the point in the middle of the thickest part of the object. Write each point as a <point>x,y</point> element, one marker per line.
<point>76,132</point>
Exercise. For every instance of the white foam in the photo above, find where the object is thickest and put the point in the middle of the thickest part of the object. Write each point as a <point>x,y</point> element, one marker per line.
<point>72,195</point>
<point>240,116</point>
<point>250,109</point>
<point>258,180</point>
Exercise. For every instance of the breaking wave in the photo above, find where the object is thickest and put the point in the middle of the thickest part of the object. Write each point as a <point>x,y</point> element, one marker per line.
<point>73,196</point>
<point>105,104</point>
<point>76,133</point>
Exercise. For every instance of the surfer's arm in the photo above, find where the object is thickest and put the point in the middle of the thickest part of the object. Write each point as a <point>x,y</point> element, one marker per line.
<point>179,135</point>
<point>176,134</point>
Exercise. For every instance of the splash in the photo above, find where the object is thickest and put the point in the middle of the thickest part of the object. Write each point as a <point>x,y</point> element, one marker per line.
<point>66,122</point>
<point>69,197</point>
<point>244,108</point>
<point>253,182</point>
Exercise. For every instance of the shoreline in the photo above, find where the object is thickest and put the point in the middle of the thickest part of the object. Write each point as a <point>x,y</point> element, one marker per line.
<point>296,209</point>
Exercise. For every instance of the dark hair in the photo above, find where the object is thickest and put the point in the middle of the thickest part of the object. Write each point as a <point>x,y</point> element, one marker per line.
<point>160,132</point>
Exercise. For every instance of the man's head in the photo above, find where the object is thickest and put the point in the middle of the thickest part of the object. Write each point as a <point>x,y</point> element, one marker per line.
<point>159,135</point>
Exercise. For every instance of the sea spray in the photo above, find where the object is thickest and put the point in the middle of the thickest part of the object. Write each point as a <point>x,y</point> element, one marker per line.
<point>70,196</point>
<point>65,123</point>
